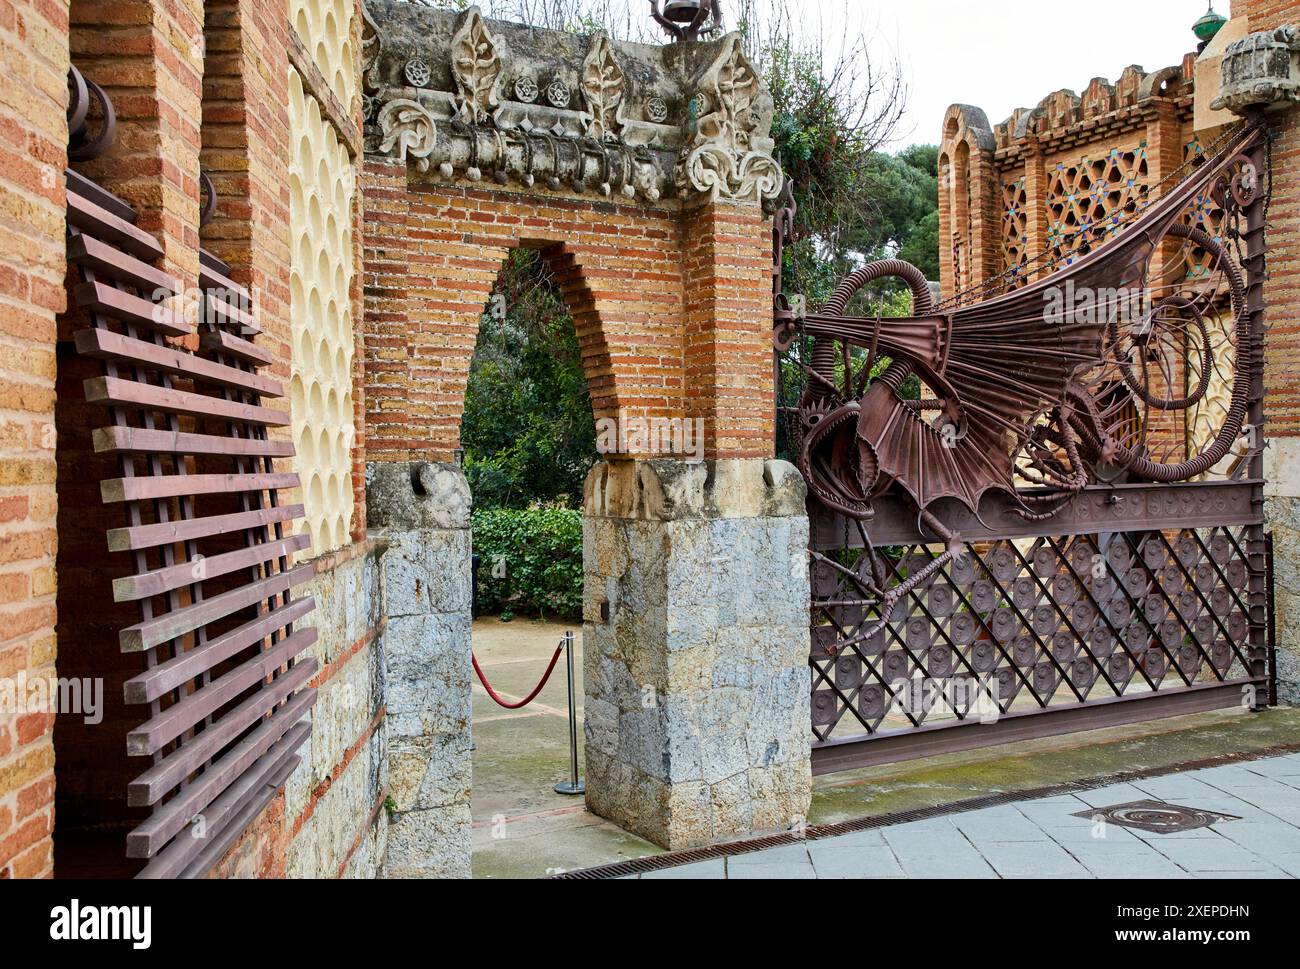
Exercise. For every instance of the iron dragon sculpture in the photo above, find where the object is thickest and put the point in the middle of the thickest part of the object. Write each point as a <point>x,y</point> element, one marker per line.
<point>1027,387</point>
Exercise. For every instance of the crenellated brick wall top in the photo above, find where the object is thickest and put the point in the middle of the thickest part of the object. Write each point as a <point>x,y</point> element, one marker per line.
<point>1006,196</point>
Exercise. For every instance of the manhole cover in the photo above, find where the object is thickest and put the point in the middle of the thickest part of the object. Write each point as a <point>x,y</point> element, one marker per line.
<point>1156,816</point>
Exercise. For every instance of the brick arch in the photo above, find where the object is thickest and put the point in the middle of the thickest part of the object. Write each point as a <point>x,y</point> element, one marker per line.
<point>432,256</point>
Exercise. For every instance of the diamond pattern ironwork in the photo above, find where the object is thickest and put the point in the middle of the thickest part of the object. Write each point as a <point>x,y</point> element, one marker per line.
<point>1024,624</point>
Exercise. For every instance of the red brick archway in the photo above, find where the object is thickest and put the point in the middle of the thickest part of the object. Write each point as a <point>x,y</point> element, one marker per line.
<point>669,304</point>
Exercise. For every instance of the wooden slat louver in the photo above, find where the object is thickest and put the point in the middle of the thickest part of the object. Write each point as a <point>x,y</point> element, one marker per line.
<point>224,690</point>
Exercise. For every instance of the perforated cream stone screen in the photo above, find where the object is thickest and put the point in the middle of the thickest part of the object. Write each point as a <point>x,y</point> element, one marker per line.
<point>322,185</point>
<point>325,27</point>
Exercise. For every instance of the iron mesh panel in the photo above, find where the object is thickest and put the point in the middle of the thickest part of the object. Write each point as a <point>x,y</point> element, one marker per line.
<point>1030,624</point>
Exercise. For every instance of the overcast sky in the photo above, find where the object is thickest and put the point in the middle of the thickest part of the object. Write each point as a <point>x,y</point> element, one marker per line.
<point>995,54</point>
<point>1003,54</point>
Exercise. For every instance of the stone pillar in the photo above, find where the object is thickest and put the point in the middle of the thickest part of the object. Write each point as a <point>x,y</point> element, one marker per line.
<point>423,509</point>
<point>696,648</point>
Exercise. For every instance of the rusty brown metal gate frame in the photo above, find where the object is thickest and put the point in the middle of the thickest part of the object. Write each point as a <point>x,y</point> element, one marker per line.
<point>1091,577</point>
<point>1046,597</point>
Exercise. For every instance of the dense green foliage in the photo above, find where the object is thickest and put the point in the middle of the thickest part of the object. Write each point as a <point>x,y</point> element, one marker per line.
<point>856,202</point>
<point>530,561</point>
<point>528,430</point>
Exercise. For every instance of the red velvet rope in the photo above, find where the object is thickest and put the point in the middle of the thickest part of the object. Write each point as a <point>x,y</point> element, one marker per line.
<point>526,700</point>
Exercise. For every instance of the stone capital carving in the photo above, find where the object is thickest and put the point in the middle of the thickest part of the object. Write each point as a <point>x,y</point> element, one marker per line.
<point>664,489</point>
<point>1261,70</point>
<point>603,87</point>
<point>729,154</point>
<point>475,68</point>
<point>407,131</point>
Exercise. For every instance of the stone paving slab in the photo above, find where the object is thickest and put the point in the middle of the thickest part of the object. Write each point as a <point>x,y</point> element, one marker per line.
<point>854,861</point>
<point>1042,838</point>
<point>524,830</point>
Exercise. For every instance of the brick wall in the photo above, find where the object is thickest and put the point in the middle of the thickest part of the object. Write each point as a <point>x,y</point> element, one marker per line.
<point>33,140</point>
<point>645,286</point>
<point>1282,348</point>
<point>979,161</point>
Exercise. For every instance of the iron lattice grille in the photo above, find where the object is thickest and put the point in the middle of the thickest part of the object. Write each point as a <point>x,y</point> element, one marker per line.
<point>225,686</point>
<point>1024,625</point>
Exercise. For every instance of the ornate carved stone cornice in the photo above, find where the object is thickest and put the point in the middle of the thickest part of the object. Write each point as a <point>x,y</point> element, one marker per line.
<point>457,96</point>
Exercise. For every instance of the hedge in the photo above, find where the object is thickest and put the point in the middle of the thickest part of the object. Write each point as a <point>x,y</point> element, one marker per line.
<point>530,561</point>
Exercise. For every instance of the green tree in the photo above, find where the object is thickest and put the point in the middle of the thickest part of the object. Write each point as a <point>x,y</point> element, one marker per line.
<point>921,247</point>
<point>857,202</point>
<point>528,432</point>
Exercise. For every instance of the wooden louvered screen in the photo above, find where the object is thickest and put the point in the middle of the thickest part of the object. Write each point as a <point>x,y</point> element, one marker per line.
<point>225,688</point>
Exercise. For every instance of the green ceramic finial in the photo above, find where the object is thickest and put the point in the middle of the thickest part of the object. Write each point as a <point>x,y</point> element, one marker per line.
<point>1209,24</point>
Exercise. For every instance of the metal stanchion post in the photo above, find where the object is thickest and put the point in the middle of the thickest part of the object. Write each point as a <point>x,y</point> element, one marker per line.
<point>573,785</point>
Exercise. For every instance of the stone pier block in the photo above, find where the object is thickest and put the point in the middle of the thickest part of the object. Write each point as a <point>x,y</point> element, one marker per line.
<point>696,648</point>
<point>423,510</point>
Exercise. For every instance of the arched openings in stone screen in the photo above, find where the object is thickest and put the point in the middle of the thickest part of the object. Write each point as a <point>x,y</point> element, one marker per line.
<point>326,27</point>
<point>322,185</point>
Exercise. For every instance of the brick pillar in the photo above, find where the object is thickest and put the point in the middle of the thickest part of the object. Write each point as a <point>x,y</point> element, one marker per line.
<point>727,343</point>
<point>696,590</point>
<point>1036,205</point>
<point>985,217</point>
<point>1164,155</point>
<point>33,154</point>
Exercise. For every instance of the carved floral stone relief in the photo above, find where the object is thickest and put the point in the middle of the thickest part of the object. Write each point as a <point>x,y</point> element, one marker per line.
<point>730,118</point>
<point>569,113</point>
<point>475,68</point>
<point>603,86</point>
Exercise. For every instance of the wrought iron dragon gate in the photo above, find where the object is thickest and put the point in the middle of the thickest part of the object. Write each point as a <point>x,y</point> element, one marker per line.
<point>1041,510</point>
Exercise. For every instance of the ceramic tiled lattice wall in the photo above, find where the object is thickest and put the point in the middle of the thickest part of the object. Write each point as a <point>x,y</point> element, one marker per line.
<point>1091,200</point>
<point>1015,231</point>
